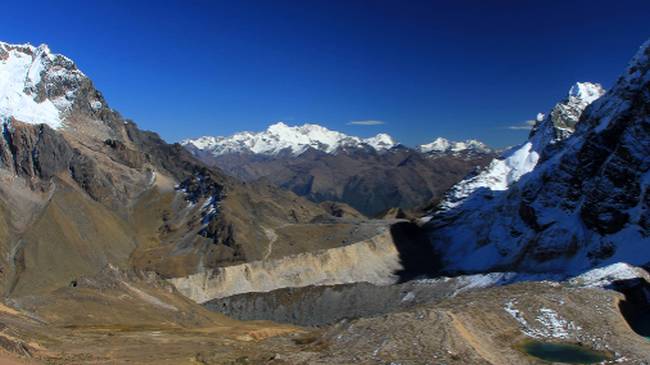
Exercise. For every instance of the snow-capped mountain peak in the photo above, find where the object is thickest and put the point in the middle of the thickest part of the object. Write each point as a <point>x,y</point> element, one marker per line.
<point>586,91</point>
<point>281,137</point>
<point>381,141</point>
<point>550,128</point>
<point>444,146</point>
<point>583,201</point>
<point>439,145</point>
<point>561,121</point>
<point>31,80</point>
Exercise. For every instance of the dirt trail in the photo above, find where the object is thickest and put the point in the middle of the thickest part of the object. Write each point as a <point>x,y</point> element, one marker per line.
<point>471,340</point>
<point>272,236</point>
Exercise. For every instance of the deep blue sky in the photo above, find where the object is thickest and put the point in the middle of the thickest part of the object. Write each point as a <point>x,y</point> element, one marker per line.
<point>427,68</point>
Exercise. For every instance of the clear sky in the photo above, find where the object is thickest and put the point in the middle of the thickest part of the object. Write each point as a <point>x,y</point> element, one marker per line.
<point>458,69</point>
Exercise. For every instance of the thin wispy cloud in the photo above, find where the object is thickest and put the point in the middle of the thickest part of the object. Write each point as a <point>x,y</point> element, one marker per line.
<point>366,122</point>
<point>525,126</point>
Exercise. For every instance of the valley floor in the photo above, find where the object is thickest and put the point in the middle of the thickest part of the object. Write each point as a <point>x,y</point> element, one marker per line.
<point>110,325</point>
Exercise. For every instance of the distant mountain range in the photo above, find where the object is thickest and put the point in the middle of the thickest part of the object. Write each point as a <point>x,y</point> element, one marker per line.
<point>280,138</point>
<point>370,174</point>
<point>442,146</point>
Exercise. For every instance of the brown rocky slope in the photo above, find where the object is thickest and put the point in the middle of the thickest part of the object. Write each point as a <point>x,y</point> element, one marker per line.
<point>369,181</point>
<point>95,190</point>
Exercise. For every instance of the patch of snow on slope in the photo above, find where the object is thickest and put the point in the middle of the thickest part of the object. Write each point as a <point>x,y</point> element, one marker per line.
<point>498,176</point>
<point>548,324</point>
<point>510,308</point>
<point>553,325</point>
<point>603,277</point>
<point>408,297</point>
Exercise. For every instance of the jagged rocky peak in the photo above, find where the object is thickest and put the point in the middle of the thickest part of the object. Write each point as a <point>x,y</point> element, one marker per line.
<point>280,137</point>
<point>441,146</point>
<point>586,204</point>
<point>41,87</point>
<point>516,162</point>
<point>561,121</point>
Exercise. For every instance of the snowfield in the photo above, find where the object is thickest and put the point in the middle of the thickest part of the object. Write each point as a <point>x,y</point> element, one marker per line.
<point>20,73</point>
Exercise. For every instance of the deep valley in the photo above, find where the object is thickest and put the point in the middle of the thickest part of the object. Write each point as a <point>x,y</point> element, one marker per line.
<point>303,245</point>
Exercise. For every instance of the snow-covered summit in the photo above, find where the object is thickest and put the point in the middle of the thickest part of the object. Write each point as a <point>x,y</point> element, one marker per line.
<point>30,84</point>
<point>586,91</point>
<point>444,146</point>
<point>381,141</point>
<point>280,137</point>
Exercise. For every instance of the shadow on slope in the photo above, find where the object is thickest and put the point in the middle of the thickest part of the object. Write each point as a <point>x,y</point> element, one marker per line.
<point>635,308</point>
<point>416,253</point>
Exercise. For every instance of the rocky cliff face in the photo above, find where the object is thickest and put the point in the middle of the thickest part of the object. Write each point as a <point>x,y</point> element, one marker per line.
<point>578,202</point>
<point>560,123</point>
<point>88,187</point>
<point>375,260</point>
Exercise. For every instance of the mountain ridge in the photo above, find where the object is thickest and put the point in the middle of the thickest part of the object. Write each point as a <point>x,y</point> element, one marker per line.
<point>98,218</point>
<point>371,175</point>
<point>550,128</point>
<point>295,140</point>
<point>87,172</point>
